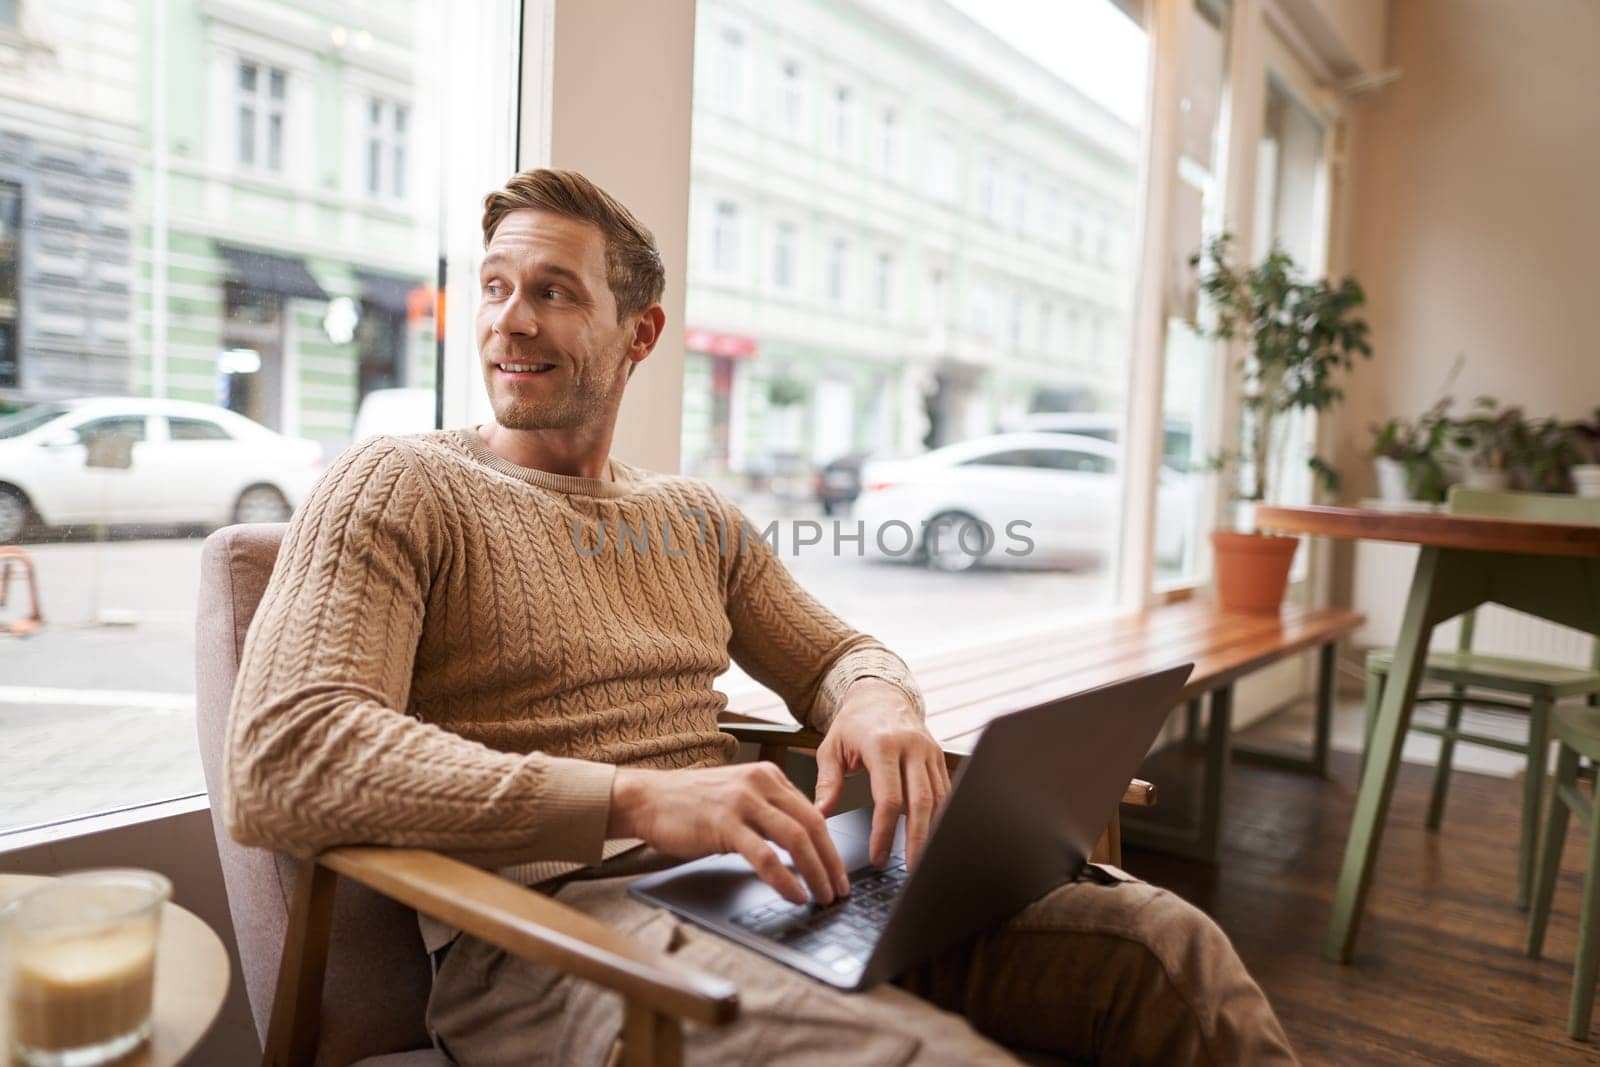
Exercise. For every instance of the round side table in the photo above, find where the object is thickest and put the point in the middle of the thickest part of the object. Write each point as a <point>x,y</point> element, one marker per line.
<point>191,982</point>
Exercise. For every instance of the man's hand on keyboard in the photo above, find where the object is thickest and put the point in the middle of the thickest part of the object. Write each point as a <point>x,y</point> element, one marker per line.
<point>878,728</point>
<point>693,813</point>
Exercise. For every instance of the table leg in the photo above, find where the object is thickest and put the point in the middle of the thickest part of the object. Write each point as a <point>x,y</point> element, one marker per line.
<point>1191,723</point>
<point>1327,665</point>
<point>1219,731</point>
<point>1444,585</point>
<point>1317,762</point>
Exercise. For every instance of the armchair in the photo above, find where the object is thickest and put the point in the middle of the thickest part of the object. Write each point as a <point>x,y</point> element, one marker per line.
<point>317,937</point>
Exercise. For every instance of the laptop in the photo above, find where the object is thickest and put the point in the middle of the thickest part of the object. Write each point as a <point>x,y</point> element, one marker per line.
<point>1022,816</point>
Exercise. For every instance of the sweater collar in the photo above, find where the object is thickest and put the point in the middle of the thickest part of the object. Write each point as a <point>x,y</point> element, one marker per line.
<point>621,483</point>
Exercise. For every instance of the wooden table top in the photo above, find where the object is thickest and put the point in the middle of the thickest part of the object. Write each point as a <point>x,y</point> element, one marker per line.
<point>191,982</point>
<point>965,690</point>
<point>1475,533</point>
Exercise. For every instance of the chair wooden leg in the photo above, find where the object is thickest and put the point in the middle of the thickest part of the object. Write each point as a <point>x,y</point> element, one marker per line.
<point>1109,848</point>
<point>297,1003</point>
<point>1532,796</point>
<point>1447,754</point>
<point>650,1039</point>
<point>1588,963</point>
<point>1555,839</point>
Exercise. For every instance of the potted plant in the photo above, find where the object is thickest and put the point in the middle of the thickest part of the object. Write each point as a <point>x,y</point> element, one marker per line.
<point>1409,454</point>
<point>1300,337</point>
<point>1487,440</point>
<point>1583,438</point>
<point>1502,449</point>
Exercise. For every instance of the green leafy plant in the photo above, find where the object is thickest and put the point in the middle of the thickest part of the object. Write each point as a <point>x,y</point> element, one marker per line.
<point>1301,335</point>
<point>1419,447</point>
<point>1583,439</point>
<point>1534,454</point>
<point>785,392</point>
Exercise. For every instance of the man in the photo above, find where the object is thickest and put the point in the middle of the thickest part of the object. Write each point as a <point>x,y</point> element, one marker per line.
<point>466,647</point>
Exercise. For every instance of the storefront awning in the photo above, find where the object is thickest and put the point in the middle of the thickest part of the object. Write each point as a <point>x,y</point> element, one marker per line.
<point>270,273</point>
<point>388,291</point>
<point>716,343</point>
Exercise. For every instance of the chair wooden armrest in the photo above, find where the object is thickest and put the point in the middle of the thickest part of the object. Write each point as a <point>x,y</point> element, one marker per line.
<point>774,738</point>
<point>658,992</point>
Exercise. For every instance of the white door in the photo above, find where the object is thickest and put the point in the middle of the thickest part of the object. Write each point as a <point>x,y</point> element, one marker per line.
<point>199,466</point>
<point>103,494</point>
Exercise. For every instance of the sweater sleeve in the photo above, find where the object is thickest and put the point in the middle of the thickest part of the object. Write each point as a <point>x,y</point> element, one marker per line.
<point>788,641</point>
<point>320,749</point>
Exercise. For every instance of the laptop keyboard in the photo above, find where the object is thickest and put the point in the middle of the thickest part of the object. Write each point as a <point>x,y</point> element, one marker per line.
<point>842,934</point>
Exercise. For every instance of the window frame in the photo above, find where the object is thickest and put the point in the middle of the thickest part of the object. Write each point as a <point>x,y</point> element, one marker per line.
<point>263,107</point>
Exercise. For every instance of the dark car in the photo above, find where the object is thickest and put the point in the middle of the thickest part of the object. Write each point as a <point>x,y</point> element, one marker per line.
<point>838,483</point>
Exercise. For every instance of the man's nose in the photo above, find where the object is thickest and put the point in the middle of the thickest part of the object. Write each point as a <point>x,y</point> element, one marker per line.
<point>516,318</point>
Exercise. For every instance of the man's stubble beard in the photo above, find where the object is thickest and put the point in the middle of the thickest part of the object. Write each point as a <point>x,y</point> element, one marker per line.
<point>586,400</point>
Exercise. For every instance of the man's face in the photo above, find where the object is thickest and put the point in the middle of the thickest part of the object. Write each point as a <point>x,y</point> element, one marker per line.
<point>553,352</point>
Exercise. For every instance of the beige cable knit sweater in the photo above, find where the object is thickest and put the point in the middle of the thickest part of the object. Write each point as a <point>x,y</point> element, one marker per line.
<point>437,663</point>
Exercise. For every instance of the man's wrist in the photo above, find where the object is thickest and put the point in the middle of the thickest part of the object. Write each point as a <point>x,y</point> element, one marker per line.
<point>879,693</point>
<point>627,793</point>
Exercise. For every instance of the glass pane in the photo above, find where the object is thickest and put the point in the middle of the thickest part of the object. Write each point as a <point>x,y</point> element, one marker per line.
<point>1188,428</point>
<point>1291,213</point>
<point>275,141</point>
<point>245,324</point>
<point>923,215</point>
<point>247,136</point>
<point>195,430</point>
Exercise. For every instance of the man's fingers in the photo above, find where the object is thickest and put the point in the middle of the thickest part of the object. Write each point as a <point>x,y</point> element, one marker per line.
<point>778,825</point>
<point>769,868</point>
<point>888,799</point>
<point>793,803</point>
<point>830,778</point>
<point>919,807</point>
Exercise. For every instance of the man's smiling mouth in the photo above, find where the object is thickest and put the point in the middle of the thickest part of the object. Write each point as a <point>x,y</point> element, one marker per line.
<point>524,368</point>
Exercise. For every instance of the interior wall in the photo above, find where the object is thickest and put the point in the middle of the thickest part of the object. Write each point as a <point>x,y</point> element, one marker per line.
<point>631,135</point>
<point>1474,221</point>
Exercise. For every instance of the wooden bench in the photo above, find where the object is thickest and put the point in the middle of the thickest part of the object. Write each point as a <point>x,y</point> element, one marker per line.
<point>965,690</point>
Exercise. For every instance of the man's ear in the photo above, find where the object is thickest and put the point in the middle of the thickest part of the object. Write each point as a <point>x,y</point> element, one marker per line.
<point>646,332</point>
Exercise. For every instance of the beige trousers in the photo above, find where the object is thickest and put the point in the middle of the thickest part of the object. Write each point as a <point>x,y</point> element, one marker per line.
<point>1106,969</point>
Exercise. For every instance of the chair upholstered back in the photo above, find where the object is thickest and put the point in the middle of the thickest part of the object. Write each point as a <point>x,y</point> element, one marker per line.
<point>376,987</point>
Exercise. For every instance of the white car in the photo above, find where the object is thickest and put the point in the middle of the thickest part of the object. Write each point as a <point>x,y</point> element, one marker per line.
<point>189,464</point>
<point>1020,499</point>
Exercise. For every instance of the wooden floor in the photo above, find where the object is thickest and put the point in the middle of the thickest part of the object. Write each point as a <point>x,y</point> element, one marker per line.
<point>1439,974</point>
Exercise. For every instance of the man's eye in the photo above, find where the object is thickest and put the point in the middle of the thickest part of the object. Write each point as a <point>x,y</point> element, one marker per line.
<point>554,294</point>
<point>494,289</point>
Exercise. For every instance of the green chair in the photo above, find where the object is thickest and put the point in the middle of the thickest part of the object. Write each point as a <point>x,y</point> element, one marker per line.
<point>1577,730</point>
<point>1498,683</point>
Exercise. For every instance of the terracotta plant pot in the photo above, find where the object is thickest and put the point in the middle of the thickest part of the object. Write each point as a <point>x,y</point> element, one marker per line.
<point>1252,569</point>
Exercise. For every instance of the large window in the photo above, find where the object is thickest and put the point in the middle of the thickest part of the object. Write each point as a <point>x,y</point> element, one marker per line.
<point>1189,396</point>
<point>930,319</point>
<point>184,345</point>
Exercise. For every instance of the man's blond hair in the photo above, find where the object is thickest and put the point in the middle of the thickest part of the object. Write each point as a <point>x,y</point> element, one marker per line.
<point>633,263</point>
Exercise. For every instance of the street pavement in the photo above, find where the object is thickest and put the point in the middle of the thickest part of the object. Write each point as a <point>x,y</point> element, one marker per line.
<point>97,708</point>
